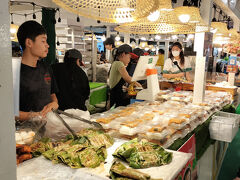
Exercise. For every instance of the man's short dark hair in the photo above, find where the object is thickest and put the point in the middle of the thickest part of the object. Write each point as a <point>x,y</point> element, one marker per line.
<point>109,41</point>
<point>29,29</point>
<point>161,51</point>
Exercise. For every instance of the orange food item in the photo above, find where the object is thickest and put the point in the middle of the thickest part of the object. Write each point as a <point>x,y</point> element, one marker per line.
<point>203,104</point>
<point>157,128</point>
<point>185,115</point>
<point>24,149</point>
<point>24,157</point>
<point>132,124</point>
<point>176,120</point>
<point>19,146</point>
<point>125,112</point>
<point>104,120</point>
<point>159,112</point>
<point>148,116</point>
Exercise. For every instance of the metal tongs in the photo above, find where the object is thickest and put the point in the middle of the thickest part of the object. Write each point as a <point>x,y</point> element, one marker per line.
<point>57,112</point>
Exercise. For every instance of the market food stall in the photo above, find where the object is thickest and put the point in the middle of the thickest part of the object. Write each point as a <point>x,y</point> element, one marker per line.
<point>161,139</point>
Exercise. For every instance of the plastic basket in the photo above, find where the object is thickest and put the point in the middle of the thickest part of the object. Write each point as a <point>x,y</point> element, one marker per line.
<point>224,126</point>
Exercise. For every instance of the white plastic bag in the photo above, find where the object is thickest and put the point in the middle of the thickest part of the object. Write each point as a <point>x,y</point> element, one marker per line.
<point>55,128</point>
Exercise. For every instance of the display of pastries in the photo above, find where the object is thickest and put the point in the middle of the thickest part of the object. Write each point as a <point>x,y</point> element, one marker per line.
<point>160,121</point>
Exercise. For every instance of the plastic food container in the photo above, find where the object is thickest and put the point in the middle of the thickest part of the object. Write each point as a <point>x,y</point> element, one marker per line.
<point>30,130</point>
<point>24,136</point>
<point>224,126</point>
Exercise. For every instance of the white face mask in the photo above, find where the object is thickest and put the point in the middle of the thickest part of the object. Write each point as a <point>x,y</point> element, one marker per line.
<point>175,53</point>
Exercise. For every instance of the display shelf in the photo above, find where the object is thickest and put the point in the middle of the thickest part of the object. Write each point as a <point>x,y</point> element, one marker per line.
<point>71,37</point>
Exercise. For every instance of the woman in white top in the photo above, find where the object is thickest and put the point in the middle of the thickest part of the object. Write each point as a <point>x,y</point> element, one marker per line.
<point>177,66</point>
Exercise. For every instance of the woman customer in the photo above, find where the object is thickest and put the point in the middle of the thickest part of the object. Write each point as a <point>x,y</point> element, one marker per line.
<point>119,76</point>
<point>177,66</point>
<point>109,44</point>
<point>72,81</point>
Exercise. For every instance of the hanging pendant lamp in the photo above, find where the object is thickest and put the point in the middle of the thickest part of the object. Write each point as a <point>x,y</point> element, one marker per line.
<point>167,23</point>
<point>164,24</point>
<point>220,29</point>
<point>221,33</point>
<point>191,15</point>
<point>13,32</point>
<point>233,34</point>
<point>112,11</point>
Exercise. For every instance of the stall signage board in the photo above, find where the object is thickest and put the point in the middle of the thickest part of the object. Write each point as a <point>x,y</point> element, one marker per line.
<point>232,68</point>
<point>190,168</point>
<point>232,60</point>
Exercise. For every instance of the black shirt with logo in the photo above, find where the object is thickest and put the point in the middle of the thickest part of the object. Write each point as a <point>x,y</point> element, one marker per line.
<point>36,86</point>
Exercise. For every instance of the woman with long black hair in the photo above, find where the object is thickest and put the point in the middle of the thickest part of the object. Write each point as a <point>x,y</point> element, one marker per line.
<point>177,66</point>
<point>72,81</point>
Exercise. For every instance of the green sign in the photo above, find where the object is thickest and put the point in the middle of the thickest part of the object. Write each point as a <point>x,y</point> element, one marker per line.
<point>150,60</point>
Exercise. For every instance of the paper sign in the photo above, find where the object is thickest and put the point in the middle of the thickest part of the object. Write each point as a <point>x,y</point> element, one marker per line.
<point>232,60</point>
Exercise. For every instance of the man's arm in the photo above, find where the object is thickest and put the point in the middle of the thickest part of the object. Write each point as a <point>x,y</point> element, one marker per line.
<point>50,106</point>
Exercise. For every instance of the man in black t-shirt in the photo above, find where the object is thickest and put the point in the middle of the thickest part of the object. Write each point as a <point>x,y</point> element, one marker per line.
<point>37,84</point>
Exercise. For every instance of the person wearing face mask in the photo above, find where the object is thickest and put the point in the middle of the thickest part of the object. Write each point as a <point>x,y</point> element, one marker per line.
<point>177,66</point>
<point>118,76</point>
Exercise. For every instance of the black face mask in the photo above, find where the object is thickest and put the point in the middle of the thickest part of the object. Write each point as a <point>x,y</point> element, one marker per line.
<point>176,64</point>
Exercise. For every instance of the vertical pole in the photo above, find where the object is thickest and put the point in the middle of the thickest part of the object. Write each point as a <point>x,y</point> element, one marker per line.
<point>7,122</point>
<point>108,35</point>
<point>166,49</point>
<point>200,75</point>
<point>108,32</point>
<point>73,39</point>
<point>94,58</point>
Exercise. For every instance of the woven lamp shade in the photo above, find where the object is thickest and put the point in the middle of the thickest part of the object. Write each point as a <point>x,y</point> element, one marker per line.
<point>165,5</point>
<point>221,36</point>
<point>111,11</point>
<point>233,34</point>
<point>221,29</point>
<point>167,23</point>
<point>195,17</point>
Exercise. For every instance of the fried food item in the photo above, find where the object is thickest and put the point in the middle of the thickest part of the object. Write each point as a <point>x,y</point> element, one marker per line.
<point>123,113</point>
<point>157,128</point>
<point>104,120</point>
<point>148,117</point>
<point>19,146</point>
<point>176,120</point>
<point>132,124</point>
<point>24,157</point>
<point>185,115</point>
<point>159,112</point>
<point>24,149</point>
